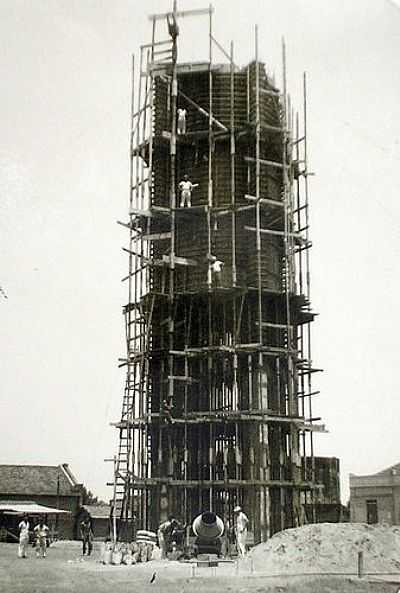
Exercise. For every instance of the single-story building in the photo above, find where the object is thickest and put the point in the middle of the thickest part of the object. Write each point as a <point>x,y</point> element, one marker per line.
<point>12,512</point>
<point>375,498</point>
<point>100,516</point>
<point>50,485</point>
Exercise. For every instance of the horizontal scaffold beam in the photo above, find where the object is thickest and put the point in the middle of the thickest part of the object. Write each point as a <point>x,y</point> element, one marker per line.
<point>181,13</point>
<point>251,159</point>
<point>157,236</point>
<point>296,236</point>
<point>266,201</point>
<point>223,417</point>
<point>149,482</point>
<point>151,213</point>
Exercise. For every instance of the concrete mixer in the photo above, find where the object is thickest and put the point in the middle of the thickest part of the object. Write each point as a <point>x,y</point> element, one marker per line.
<point>208,529</point>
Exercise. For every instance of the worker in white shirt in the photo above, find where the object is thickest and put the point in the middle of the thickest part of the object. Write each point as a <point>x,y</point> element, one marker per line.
<point>41,531</point>
<point>181,121</point>
<point>241,523</point>
<point>185,187</point>
<point>23,537</point>
<point>215,271</point>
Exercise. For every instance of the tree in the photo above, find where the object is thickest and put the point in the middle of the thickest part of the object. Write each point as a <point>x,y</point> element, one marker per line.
<point>89,498</point>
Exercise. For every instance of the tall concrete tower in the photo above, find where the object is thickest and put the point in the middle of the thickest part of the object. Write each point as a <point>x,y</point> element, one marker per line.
<point>217,405</point>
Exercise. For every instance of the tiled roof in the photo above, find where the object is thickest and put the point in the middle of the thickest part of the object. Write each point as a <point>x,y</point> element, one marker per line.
<point>37,480</point>
<point>98,511</point>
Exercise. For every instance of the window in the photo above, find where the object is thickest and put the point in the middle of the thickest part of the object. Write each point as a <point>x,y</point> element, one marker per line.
<point>372,511</point>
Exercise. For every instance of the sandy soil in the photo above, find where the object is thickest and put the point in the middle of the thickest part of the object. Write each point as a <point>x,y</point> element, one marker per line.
<point>63,571</point>
<point>330,548</point>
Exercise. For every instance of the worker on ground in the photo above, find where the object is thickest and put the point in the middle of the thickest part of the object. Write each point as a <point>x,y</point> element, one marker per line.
<point>41,532</point>
<point>181,128</point>
<point>23,537</point>
<point>241,523</point>
<point>87,536</point>
<point>185,187</point>
<point>164,534</point>
<point>215,271</point>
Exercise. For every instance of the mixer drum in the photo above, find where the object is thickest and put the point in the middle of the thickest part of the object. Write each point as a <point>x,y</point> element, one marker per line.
<point>208,528</point>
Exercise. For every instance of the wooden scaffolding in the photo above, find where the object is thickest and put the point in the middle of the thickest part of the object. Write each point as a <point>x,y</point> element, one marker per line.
<point>217,408</point>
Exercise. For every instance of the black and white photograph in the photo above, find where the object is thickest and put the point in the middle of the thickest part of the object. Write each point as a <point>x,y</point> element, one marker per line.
<point>199,296</point>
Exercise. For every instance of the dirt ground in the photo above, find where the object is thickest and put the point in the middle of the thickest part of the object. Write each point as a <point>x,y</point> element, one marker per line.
<point>64,571</point>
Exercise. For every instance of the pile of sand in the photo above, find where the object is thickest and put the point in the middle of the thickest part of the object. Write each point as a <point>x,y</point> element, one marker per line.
<point>330,548</point>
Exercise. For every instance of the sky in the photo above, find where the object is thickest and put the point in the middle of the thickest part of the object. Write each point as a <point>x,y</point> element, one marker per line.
<point>64,182</point>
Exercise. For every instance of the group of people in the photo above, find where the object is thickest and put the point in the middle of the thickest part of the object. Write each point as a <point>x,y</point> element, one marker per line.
<point>215,265</point>
<point>41,534</point>
<point>41,537</point>
<point>171,535</point>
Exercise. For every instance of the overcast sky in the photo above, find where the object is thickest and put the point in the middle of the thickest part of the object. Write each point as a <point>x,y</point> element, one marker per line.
<point>64,181</point>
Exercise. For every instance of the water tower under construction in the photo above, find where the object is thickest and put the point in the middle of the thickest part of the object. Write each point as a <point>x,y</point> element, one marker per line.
<point>217,407</point>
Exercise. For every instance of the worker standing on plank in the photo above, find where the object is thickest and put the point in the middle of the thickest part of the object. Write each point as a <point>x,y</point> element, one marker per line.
<point>41,531</point>
<point>87,535</point>
<point>185,187</point>
<point>215,271</point>
<point>241,523</point>
<point>181,128</point>
<point>23,537</point>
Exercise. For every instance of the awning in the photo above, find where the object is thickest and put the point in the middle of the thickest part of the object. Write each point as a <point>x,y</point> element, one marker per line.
<point>29,508</point>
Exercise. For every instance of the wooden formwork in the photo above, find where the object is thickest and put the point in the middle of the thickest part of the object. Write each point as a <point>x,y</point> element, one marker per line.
<point>217,406</point>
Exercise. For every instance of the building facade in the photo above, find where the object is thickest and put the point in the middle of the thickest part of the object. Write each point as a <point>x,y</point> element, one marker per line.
<point>328,506</point>
<point>376,498</point>
<point>49,485</point>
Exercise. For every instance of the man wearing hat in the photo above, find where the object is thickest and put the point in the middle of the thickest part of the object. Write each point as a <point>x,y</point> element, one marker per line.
<point>241,523</point>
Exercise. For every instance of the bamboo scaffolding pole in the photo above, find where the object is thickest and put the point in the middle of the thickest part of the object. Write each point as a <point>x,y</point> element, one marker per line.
<point>209,239</point>
<point>309,383</point>
<point>223,51</point>
<point>128,315</point>
<point>264,519</point>
<point>137,290</point>
<point>233,156</point>
<point>293,447</point>
<point>143,282</point>
<point>208,115</point>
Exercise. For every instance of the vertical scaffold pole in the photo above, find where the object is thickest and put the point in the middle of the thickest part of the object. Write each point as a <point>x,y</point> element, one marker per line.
<point>209,213</point>
<point>233,152</point>
<point>262,495</point>
<point>294,439</point>
<point>309,385</point>
<point>129,314</point>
